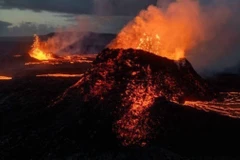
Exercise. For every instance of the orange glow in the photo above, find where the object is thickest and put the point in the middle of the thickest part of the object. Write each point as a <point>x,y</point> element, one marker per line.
<point>59,61</point>
<point>5,78</point>
<point>38,52</point>
<point>165,33</point>
<point>229,107</point>
<point>60,75</point>
<point>134,127</point>
<point>17,55</point>
<point>43,52</point>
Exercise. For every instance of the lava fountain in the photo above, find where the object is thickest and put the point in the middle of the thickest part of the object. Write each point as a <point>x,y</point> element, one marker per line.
<point>45,54</point>
<point>39,50</point>
<point>143,66</point>
<point>165,33</point>
<point>128,83</point>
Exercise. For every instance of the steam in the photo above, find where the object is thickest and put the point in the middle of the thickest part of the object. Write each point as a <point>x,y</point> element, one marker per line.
<point>65,37</point>
<point>220,52</point>
<point>168,33</point>
<point>205,32</point>
<point>70,40</point>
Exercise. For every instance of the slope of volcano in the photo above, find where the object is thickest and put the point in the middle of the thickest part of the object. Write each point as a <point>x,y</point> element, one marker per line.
<point>128,102</point>
<point>126,83</point>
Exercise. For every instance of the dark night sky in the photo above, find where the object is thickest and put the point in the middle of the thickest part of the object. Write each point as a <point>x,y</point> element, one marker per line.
<point>25,17</point>
<point>113,7</point>
<point>51,14</point>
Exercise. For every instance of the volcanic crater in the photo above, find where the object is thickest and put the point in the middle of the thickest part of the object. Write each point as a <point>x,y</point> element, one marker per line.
<point>124,85</point>
<point>128,100</point>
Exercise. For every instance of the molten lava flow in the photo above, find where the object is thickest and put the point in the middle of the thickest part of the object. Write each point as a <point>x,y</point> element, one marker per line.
<point>134,127</point>
<point>38,52</point>
<point>165,33</point>
<point>229,107</point>
<point>5,78</point>
<point>42,51</point>
<point>60,75</point>
<point>128,86</point>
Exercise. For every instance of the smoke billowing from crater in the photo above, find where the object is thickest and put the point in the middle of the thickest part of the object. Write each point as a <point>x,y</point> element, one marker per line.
<point>181,29</point>
<point>168,33</point>
<point>205,32</point>
<point>221,51</point>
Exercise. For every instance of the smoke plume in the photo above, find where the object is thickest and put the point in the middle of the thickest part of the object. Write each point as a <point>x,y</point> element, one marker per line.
<point>205,32</point>
<point>220,52</point>
<point>65,37</point>
<point>100,22</point>
<point>168,33</point>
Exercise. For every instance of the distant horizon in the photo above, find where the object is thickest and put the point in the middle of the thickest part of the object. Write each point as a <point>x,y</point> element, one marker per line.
<point>80,23</point>
<point>24,18</point>
<point>28,36</point>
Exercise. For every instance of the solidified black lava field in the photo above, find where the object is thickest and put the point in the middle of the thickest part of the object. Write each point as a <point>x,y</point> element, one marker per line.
<point>34,127</point>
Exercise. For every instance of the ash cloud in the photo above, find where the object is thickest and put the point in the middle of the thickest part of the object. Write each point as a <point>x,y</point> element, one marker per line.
<point>221,51</point>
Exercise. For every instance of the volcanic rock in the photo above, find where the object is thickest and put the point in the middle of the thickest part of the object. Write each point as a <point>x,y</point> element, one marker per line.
<point>120,70</point>
<point>123,85</point>
<point>128,98</point>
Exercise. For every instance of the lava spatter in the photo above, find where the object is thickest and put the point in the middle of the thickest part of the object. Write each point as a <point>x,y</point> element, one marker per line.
<point>167,33</point>
<point>45,53</point>
<point>124,84</point>
<point>40,51</point>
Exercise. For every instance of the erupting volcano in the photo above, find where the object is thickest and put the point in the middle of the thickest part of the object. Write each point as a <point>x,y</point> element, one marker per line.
<point>140,93</point>
<point>46,53</point>
<point>39,50</point>
<point>165,33</point>
<point>125,84</point>
<point>144,66</point>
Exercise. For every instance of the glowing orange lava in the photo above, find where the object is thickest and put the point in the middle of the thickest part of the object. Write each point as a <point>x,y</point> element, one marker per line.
<point>38,52</point>
<point>165,33</point>
<point>43,52</point>
<point>229,107</point>
<point>5,78</point>
<point>134,127</point>
<point>60,75</point>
